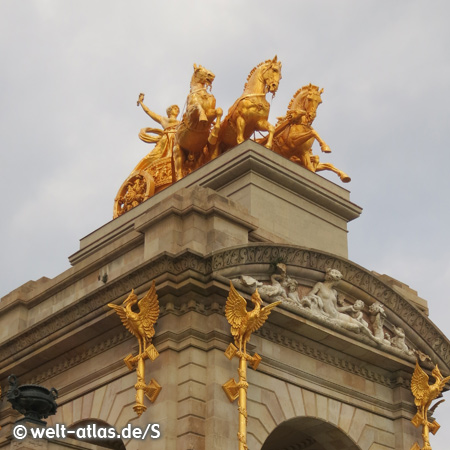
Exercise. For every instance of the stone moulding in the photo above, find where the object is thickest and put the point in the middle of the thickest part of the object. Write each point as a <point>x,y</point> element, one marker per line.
<point>210,267</point>
<point>352,274</point>
<point>219,340</point>
<point>80,357</point>
<point>304,347</point>
<point>93,305</point>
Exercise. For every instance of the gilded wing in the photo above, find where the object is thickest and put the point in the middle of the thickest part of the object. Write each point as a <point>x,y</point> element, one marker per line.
<point>440,380</point>
<point>419,384</point>
<point>258,322</point>
<point>437,373</point>
<point>120,310</point>
<point>149,311</point>
<point>235,310</point>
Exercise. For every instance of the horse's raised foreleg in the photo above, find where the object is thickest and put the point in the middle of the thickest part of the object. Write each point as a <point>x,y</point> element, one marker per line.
<point>324,147</point>
<point>213,146</point>
<point>327,166</point>
<point>264,125</point>
<point>195,106</point>
<point>300,139</point>
<point>212,138</point>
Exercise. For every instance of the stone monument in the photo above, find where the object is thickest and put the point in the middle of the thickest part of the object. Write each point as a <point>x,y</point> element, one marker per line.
<point>337,353</point>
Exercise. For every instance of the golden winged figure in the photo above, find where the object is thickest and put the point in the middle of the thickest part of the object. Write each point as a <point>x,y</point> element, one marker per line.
<point>425,393</point>
<point>140,324</point>
<point>244,323</point>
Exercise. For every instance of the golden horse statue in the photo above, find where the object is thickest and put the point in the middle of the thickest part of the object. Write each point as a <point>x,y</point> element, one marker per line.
<point>294,134</point>
<point>195,141</point>
<point>250,111</point>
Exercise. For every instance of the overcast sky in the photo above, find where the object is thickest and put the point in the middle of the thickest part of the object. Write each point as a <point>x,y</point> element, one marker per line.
<point>71,72</point>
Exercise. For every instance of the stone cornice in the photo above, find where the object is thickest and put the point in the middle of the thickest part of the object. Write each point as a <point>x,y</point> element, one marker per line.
<point>218,339</point>
<point>209,267</point>
<point>93,305</point>
<point>80,357</point>
<point>274,334</point>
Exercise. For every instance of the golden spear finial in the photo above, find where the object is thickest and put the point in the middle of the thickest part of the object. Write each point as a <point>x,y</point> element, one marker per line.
<point>243,324</point>
<point>424,394</point>
<point>141,325</point>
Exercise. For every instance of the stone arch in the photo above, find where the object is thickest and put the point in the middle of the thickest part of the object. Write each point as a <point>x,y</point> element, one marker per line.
<point>105,442</point>
<point>308,433</point>
<point>273,402</point>
<point>110,404</point>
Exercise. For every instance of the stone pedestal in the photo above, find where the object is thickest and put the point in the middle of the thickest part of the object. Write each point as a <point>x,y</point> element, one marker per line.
<point>240,214</point>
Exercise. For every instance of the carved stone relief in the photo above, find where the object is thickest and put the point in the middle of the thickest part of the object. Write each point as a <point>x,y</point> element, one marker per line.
<point>297,257</point>
<point>325,305</point>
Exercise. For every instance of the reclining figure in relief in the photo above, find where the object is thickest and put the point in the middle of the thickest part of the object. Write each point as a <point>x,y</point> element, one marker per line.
<point>275,291</point>
<point>324,304</point>
<point>323,299</point>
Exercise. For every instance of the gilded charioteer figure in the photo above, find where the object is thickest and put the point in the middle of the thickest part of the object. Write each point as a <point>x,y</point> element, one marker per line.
<point>196,135</point>
<point>294,135</point>
<point>164,139</point>
<point>155,171</point>
<point>181,146</point>
<point>250,112</point>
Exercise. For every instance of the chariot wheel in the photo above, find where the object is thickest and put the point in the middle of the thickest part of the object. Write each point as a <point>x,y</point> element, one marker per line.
<point>137,188</point>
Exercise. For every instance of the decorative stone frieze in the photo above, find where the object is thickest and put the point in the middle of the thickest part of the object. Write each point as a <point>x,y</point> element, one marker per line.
<point>352,274</point>
<point>210,267</point>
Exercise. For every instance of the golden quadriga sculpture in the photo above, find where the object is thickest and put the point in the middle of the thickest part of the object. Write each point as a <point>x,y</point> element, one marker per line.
<point>243,324</point>
<point>294,134</point>
<point>424,394</point>
<point>183,146</point>
<point>141,324</point>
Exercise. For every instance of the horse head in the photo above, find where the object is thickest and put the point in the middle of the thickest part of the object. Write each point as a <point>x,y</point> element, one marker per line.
<point>307,98</point>
<point>272,75</point>
<point>202,77</point>
<point>264,78</point>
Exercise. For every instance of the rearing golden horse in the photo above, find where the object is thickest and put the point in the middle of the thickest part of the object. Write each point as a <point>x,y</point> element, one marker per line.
<point>251,110</point>
<point>195,141</point>
<point>294,134</point>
